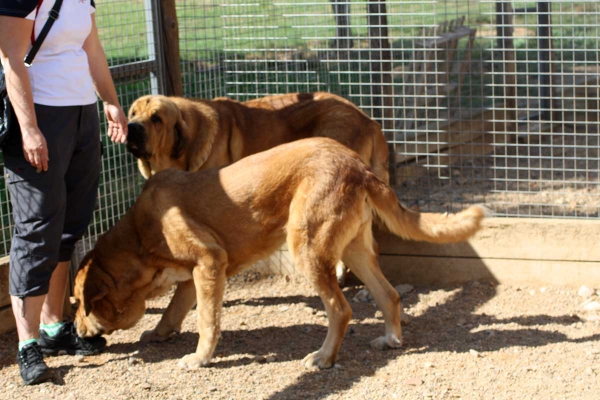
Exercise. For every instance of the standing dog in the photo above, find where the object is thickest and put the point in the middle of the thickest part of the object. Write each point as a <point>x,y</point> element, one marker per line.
<point>196,229</point>
<point>192,135</point>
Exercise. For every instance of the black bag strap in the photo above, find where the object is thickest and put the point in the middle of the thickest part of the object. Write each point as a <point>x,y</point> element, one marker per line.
<point>53,16</point>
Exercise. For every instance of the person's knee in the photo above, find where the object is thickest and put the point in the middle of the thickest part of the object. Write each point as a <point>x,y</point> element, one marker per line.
<point>30,274</point>
<point>66,251</point>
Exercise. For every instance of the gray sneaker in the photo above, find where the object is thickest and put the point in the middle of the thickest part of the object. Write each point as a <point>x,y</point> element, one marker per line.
<point>66,341</point>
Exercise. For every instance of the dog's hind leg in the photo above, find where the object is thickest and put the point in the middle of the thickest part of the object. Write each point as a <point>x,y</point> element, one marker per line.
<point>338,311</point>
<point>320,271</point>
<point>170,323</point>
<point>361,258</point>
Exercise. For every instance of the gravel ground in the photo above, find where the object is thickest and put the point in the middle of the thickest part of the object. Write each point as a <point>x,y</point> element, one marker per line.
<point>475,341</point>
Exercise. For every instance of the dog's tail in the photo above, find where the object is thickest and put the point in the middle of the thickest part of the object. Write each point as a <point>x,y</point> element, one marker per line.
<point>380,156</point>
<point>428,227</point>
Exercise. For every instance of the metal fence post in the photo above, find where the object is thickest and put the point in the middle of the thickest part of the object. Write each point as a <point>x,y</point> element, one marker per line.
<point>155,48</point>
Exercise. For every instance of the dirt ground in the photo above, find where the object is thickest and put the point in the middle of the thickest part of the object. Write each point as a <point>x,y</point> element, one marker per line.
<point>475,341</point>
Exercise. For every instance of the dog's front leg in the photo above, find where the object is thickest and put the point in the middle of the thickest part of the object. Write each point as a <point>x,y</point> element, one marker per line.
<point>210,285</point>
<point>170,323</point>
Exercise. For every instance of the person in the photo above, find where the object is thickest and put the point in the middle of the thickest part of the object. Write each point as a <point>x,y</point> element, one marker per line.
<point>52,165</point>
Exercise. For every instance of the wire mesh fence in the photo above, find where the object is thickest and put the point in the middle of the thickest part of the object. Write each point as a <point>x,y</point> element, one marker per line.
<point>483,101</point>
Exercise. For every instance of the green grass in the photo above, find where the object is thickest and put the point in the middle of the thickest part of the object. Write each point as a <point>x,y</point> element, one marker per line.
<point>208,28</point>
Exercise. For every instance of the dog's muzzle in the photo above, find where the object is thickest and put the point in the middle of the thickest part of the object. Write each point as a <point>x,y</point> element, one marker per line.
<point>136,140</point>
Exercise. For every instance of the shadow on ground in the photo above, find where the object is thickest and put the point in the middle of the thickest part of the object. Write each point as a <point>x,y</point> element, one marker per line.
<point>452,325</point>
<point>436,330</point>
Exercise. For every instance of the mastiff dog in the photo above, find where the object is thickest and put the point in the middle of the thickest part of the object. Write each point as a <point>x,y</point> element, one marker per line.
<point>192,135</point>
<point>195,229</point>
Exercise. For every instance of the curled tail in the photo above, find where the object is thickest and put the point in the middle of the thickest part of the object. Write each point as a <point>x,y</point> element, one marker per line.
<point>428,227</point>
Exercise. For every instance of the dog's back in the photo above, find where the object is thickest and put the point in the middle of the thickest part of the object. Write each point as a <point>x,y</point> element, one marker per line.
<point>307,115</point>
<point>311,180</point>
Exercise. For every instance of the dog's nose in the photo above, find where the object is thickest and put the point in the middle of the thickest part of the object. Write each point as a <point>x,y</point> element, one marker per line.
<point>136,140</point>
<point>135,127</point>
<point>136,134</point>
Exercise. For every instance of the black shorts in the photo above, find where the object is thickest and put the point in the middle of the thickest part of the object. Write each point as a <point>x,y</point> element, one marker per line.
<point>51,209</point>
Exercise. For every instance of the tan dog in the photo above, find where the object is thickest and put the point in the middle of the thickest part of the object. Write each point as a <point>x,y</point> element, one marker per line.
<point>192,135</point>
<point>196,229</point>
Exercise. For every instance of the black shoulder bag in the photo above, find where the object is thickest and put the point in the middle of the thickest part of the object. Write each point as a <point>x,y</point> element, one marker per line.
<point>7,114</point>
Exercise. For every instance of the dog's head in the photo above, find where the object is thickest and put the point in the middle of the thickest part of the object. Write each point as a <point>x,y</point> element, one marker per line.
<point>104,308</point>
<point>156,130</point>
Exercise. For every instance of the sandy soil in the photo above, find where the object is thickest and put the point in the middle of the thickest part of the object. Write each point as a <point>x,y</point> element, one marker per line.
<point>475,341</point>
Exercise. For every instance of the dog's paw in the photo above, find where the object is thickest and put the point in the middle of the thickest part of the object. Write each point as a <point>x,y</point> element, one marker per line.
<point>317,360</point>
<point>193,361</point>
<point>153,336</point>
<point>386,342</point>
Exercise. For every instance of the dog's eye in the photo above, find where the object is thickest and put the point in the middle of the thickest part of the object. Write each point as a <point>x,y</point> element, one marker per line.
<point>155,118</point>
<point>133,113</point>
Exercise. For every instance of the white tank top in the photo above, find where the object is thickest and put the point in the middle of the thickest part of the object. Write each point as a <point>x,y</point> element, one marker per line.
<point>60,72</point>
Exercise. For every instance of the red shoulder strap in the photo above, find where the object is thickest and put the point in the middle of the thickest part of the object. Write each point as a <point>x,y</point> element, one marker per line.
<point>37,10</point>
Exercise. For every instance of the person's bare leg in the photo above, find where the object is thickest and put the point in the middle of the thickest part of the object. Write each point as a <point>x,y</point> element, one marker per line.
<point>27,316</point>
<point>47,309</point>
<point>52,310</point>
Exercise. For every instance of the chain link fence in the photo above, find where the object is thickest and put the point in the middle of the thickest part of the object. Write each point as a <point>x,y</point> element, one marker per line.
<point>483,101</point>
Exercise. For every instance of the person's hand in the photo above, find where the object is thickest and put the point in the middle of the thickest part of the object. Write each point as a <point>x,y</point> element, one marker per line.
<point>117,123</point>
<point>35,149</point>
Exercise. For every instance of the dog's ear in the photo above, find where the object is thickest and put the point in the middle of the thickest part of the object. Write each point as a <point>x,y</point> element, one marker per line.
<point>201,147</point>
<point>95,285</point>
<point>179,142</point>
<point>91,294</point>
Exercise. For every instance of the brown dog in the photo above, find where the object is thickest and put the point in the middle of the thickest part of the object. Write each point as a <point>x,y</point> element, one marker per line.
<point>192,135</point>
<point>196,229</point>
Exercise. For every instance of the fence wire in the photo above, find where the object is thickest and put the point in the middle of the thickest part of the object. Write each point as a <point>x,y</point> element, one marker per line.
<point>491,102</point>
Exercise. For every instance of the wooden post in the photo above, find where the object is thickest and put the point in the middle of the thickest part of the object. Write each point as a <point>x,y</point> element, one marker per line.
<point>170,44</point>
<point>381,67</point>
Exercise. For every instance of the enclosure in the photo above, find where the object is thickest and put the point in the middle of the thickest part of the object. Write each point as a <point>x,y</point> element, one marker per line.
<point>492,102</point>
